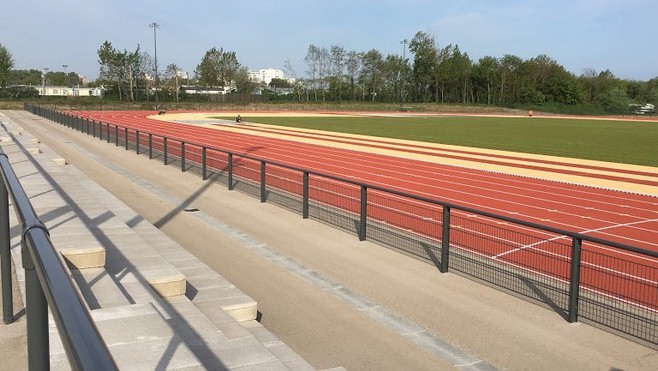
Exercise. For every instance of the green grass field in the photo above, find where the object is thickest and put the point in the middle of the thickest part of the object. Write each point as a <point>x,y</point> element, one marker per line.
<point>628,142</point>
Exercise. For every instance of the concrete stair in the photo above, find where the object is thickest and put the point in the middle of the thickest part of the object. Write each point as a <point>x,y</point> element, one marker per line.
<point>155,304</point>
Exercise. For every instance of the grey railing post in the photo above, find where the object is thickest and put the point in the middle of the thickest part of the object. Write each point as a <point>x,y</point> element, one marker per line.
<point>150,146</point>
<point>445,239</point>
<point>116,135</point>
<point>305,195</point>
<point>182,156</point>
<point>36,311</point>
<point>230,171</point>
<point>5,256</point>
<point>263,195</point>
<point>137,141</point>
<point>574,281</point>
<point>164,145</point>
<point>125,137</point>
<point>363,218</point>
<point>108,133</point>
<point>204,170</point>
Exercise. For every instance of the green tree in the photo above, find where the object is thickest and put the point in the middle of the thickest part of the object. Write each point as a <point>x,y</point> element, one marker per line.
<point>280,83</point>
<point>426,61</point>
<point>6,65</point>
<point>217,68</point>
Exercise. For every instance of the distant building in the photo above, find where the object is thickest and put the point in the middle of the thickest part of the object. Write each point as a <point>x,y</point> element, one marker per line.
<point>205,90</point>
<point>265,75</point>
<point>66,91</point>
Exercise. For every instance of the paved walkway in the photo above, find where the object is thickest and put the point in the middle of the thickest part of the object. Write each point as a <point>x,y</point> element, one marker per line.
<point>334,300</point>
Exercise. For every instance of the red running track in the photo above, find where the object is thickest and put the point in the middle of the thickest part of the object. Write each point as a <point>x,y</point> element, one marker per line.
<point>611,215</point>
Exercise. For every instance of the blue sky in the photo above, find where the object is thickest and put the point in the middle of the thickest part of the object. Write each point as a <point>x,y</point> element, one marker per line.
<point>578,34</point>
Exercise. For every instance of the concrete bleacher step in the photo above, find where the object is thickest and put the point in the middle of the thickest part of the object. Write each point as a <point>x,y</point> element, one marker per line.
<point>191,327</point>
<point>207,288</point>
<point>111,233</point>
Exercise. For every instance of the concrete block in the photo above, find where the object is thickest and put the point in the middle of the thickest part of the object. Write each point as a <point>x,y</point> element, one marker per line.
<point>240,309</point>
<point>166,286</point>
<point>33,151</point>
<point>59,161</point>
<point>84,257</point>
<point>5,139</point>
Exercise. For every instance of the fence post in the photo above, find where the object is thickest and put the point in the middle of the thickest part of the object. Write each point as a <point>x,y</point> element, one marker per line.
<point>230,171</point>
<point>137,141</point>
<point>182,156</point>
<point>263,196</point>
<point>305,195</point>
<point>164,145</point>
<point>445,239</point>
<point>126,138</point>
<point>363,220</point>
<point>150,146</point>
<point>116,135</point>
<point>574,281</point>
<point>38,349</point>
<point>204,174</point>
<point>5,256</point>
<point>108,133</point>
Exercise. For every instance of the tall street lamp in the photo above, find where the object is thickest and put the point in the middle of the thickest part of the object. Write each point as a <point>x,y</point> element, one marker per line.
<point>402,72</point>
<point>155,26</point>
<point>66,75</point>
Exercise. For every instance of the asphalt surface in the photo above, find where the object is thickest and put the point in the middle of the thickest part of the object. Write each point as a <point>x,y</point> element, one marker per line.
<point>332,299</point>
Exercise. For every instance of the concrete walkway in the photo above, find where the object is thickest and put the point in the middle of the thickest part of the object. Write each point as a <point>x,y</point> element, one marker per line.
<point>333,300</point>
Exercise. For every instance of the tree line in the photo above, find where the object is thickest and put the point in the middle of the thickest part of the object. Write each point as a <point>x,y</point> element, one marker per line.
<point>449,75</point>
<point>426,74</point>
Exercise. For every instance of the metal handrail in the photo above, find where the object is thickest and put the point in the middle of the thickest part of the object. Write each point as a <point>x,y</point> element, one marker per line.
<point>48,285</point>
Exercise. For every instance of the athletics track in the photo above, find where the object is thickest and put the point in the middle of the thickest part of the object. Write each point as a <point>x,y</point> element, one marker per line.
<point>623,217</point>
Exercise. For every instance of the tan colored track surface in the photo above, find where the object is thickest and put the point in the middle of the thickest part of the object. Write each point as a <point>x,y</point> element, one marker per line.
<point>608,175</point>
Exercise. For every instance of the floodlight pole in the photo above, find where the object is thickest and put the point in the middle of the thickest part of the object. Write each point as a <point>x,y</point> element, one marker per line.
<point>155,26</point>
<point>66,75</point>
<point>404,58</point>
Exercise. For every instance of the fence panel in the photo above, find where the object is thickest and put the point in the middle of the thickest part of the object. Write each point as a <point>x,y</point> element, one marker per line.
<point>619,290</point>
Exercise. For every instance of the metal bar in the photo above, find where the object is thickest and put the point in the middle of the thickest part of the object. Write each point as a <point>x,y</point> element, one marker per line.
<point>204,169</point>
<point>263,194</point>
<point>137,141</point>
<point>164,144</point>
<point>230,171</point>
<point>150,146</point>
<point>445,240</point>
<point>116,135</point>
<point>108,133</point>
<point>5,257</point>
<point>574,281</point>
<point>182,156</point>
<point>125,132</point>
<point>38,349</point>
<point>363,221</point>
<point>305,195</point>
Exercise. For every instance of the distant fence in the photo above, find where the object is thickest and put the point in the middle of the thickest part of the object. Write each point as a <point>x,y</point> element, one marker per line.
<point>47,285</point>
<point>607,284</point>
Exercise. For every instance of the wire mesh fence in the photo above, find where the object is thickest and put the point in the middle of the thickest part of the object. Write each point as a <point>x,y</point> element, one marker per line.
<point>604,283</point>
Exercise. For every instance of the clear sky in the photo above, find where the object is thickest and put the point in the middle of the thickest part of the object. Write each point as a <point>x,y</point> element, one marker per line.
<point>620,35</point>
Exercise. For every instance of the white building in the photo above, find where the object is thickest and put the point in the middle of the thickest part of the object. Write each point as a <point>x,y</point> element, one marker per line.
<point>65,91</point>
<point>265,75</point>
